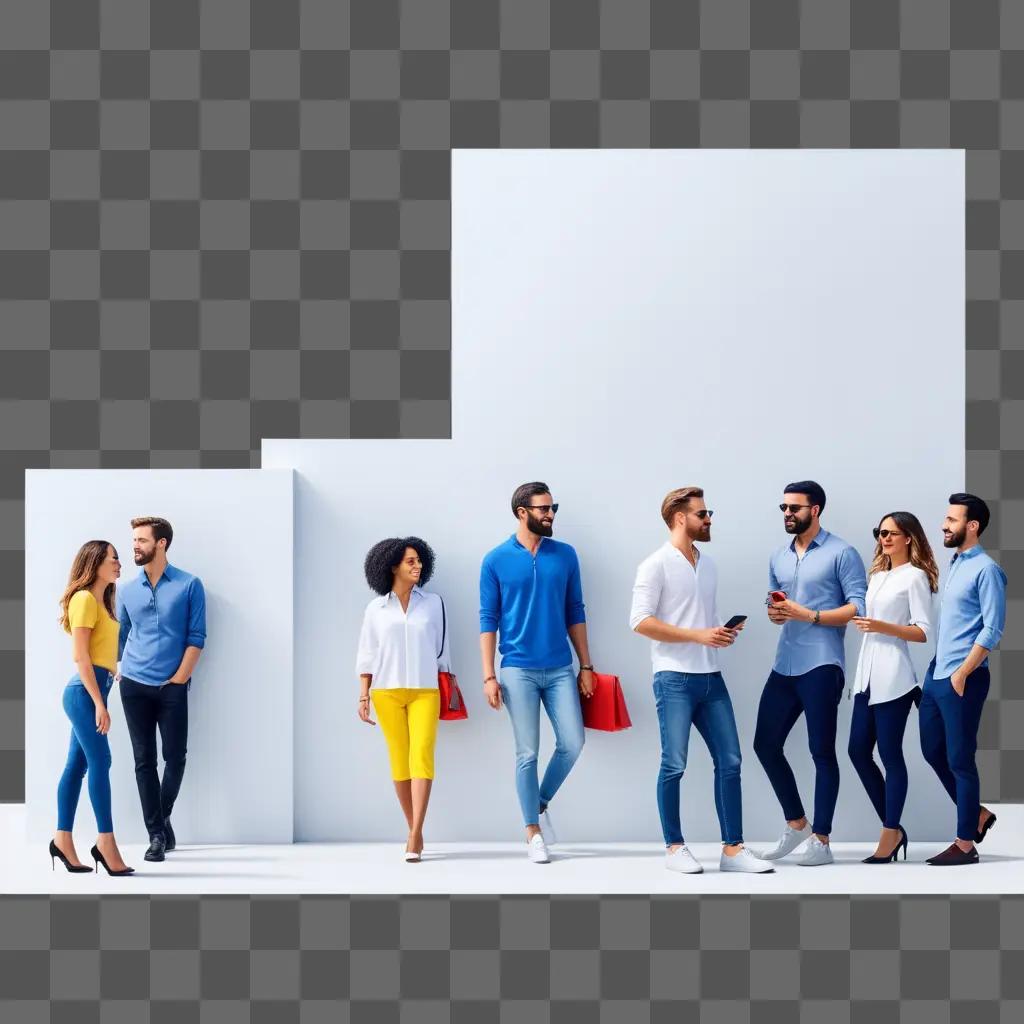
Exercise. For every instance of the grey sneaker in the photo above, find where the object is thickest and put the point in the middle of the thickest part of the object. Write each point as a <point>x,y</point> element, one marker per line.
<point>791,839</point>
<point>683,861</point>
<point>744,860</point>
<point>816,854</point>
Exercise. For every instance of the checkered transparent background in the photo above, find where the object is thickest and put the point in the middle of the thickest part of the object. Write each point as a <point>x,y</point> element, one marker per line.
<point>229,219</point>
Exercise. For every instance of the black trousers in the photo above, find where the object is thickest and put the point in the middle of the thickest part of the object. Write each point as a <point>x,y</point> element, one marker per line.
<point>146,710</point>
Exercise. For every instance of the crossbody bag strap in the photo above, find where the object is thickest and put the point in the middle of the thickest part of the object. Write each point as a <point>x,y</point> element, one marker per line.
<point>444,625</point>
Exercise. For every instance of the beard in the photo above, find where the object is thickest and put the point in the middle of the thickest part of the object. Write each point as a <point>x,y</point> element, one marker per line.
<point>955,539</point>
<point>539,527</point>
<point>798,526</point>
<point>703,534</point>
<point>144,559</point>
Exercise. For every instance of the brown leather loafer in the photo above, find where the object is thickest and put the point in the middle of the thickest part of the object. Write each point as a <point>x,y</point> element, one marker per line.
<point>953,857</point>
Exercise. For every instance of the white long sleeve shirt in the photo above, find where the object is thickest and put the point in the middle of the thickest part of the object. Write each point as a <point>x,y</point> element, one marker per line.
<point>668,587</point>
<point>403,649</point>
<point>903,597</point>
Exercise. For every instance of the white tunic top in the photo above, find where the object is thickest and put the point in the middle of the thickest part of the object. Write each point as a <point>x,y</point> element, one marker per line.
<point>903,597</point>
<point>668,587</point>
<point>403,649</point>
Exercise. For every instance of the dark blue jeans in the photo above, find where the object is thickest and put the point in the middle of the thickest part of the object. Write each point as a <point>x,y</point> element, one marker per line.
<point>699,699</point>
<point>784,699</point>
<point>89,753</point>
<point>949,739</point>
<point>882,725</point>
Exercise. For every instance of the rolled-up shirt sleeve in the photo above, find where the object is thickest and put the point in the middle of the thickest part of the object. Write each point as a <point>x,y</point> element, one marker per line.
<point>646,593</point>
<point>575,612</point>
<point>920,598</point>
<point>490,599</point>
<point>992,597</point>
<point>366,654</point>
<point>196,615</point>
<point>853,579</point>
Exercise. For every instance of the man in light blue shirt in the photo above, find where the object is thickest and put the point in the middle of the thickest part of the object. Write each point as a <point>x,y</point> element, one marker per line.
<point>816,585</point>
<point>162,613</point>
<point>971,624</point>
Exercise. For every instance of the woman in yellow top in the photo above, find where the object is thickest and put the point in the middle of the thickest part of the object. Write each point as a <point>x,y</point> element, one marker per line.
<point>87,613</point>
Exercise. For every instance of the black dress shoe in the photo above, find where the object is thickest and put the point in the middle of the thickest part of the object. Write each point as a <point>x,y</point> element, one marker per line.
<point>983,831</point>
<point>156,848</point>
<point>169,841</point>
<point>953,857</point>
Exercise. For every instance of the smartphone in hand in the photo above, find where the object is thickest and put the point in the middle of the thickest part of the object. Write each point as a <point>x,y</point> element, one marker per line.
<point>736,620</point>
<point>778,596</point>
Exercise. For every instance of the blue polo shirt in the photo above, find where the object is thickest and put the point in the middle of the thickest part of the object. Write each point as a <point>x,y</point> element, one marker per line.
<point>530,601</point>
<point>973,609</point>
<point>830,574</point>
<point>158,623</point>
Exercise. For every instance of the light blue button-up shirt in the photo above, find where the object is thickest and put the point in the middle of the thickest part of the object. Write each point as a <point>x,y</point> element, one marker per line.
<point>158,623</point>
<point>973,609</point>
<point>830,574</point>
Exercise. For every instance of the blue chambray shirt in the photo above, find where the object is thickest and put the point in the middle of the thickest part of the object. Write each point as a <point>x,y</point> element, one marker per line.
<point>973,609</point>
<point>830,575</point>
<point>158,623</point>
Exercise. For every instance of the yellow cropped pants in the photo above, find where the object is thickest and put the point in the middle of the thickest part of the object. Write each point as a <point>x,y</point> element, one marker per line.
<point>409,720</point>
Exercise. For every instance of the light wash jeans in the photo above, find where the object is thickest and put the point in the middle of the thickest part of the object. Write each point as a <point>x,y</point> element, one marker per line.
<point>524,690</point>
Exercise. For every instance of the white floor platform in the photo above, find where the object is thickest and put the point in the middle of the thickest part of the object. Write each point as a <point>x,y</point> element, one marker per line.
<point>457,868</point>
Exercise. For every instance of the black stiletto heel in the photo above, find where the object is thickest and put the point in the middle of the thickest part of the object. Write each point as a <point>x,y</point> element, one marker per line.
<point>894,856</point>
<point>75,869</point>
<point>99,859</point>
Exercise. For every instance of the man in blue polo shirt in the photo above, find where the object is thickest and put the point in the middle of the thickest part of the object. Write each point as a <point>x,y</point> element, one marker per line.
<point>822,583</point>
<point>531,594</point>
<point>163,630</point>
<point>970,625</point>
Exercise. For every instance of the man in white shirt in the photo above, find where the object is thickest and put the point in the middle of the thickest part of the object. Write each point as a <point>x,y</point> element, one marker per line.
<point>674,605</point>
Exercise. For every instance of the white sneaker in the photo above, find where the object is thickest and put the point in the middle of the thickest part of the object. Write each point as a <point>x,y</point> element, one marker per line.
<point>683,861</point>
<point>744,860</point>
<point>537,851</point>
<point>791,839</point>
<point>816,854</point>
<point>547,829</point>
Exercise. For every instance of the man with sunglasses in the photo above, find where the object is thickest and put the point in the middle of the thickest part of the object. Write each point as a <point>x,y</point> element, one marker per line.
<point>675,607</point>
<point>531,595</point>
<point>971,621</point>
<point>817,584</point>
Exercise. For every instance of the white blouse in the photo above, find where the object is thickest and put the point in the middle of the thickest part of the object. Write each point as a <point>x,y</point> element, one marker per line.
<point>403,649</point>
<point>903,597</point>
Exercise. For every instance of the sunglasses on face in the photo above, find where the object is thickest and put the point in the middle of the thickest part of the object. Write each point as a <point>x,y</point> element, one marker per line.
<point>543,509</point>
<point>704,513</point>
<point>885,534</point>
<point>791,508</point>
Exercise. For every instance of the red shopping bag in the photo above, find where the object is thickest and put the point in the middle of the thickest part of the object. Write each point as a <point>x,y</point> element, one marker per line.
<point>453,707</point>
<point>606,708</point>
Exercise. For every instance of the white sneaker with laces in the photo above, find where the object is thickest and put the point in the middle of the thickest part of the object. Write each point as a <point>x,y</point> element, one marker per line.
<point>791,839</point>
<point>537,851</point>
<point>816,854</point>
<point>547,829</point>
<point>744,860</point>
<point>683,861</point>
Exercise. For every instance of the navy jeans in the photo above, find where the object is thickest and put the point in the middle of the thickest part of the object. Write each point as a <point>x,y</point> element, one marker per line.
<point>699,699</point>
<point>882,725</point>
<point>949,738</point>
<point>784,699</point>
<point>89,753</point>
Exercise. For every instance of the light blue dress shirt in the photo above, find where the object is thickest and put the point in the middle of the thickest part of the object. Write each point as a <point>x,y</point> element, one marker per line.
<point>973,609</point>
<point>158,623</point>
<point>830,574</point>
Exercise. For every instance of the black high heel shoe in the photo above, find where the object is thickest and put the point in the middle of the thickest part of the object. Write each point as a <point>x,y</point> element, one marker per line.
<point>892,857</point>
<point>75,869</point>
<point>99,859</point>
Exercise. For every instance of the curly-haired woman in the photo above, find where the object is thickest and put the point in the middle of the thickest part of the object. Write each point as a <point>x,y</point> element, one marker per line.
<point>902,581</point>
<point>402,646</point>
<point>87,613</point>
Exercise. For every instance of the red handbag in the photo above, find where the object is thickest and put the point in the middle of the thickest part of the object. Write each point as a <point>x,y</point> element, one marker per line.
<point>606,708</point>
<point>453,707</point>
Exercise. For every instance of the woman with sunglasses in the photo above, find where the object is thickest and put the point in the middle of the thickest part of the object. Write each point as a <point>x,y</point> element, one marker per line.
<point>402,647</point>
<point>901,581</point>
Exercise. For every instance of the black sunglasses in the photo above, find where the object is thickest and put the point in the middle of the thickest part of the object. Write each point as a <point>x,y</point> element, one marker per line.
<point>543,509</point>
<point>791,508</point>
<point>884,534</point>
<point>704,513</point>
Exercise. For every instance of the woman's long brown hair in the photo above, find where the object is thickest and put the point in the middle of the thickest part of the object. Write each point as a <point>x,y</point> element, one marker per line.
<point>84,570</point>
<point>920,550</point>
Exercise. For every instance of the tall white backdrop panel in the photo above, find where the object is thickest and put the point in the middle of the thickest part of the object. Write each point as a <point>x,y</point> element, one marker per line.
<point>233,529</point>
<point>625,323</point>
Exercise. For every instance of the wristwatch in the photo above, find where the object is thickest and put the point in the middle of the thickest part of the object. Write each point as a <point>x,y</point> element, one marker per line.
<point>817,617</point>
<point>586,668</point>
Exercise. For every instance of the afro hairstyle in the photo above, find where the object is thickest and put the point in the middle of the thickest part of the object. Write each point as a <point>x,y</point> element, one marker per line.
<point>387,553</point>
